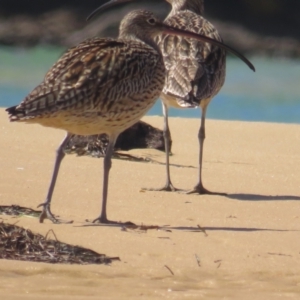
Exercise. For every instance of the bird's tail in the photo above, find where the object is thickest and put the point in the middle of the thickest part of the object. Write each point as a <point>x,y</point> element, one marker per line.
<point>15,114</point>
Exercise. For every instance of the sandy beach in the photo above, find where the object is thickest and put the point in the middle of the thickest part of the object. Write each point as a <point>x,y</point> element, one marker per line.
<point>251,245</point>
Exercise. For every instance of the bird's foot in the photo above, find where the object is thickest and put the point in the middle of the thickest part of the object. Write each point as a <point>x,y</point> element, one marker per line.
<point>123,225</point>
<point>199,189</point>
<point>169,187</point>
<point>104,220</point>
<point>47,214</point>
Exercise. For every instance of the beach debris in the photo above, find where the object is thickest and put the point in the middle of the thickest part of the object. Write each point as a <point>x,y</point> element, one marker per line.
<point>202,230</point>
<point>139,136</point>
<point>279,254</point>
<point>198,260</point>
<point>231,217</point>
<point>131,226</point>
<point>219,262</point>
<point>16,210</point>
<point>17,243</point>
<point>168,268</point>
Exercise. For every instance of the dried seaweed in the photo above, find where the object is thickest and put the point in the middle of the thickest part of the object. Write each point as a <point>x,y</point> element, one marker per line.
<point>144,228</point>
<point>16,210</point>
<point>168,268</point>
<point>129,226</point>
<point>17,243</point>
<point>139,136</point>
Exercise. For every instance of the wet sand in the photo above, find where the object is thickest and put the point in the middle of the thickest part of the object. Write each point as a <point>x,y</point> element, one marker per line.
<point>251,249</point>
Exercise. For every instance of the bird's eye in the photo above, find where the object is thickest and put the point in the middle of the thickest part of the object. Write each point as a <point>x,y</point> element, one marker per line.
<point>151,21</point>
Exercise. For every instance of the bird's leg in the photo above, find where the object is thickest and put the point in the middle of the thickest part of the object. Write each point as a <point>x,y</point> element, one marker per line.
<point>107,165</point>
<point>199,188</point>
<point>167,139</point>
<point>46,213</point>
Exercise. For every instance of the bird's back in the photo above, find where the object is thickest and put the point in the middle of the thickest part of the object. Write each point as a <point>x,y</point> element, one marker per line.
<point>95,79</point>
<point>195,71</point>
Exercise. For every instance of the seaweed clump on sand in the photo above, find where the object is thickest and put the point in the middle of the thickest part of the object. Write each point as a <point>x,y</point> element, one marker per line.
<point>16,210</point>
<point>139,136</point>
<point>17,243</point>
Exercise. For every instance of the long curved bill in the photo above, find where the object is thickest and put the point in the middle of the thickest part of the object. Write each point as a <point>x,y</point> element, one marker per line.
<point>106,6</point>
<point>166,29</point>
<point>176,31</point>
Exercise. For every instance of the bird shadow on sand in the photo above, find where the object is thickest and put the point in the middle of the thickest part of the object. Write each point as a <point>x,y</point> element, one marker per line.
<point>130,227</point>
<point>206,230</point>
<point>257,197</point>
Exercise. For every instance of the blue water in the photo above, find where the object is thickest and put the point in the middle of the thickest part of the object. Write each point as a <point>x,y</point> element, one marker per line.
<point>272,94</point>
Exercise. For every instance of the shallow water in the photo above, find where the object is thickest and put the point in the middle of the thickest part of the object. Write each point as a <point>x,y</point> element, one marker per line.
<point>272,94</point>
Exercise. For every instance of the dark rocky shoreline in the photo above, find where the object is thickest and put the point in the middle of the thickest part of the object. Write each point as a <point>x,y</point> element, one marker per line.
<point>67,26</point>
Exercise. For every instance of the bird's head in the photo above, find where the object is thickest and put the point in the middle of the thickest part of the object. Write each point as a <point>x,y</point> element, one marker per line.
<point>143,25</point>
<point>196,6</point>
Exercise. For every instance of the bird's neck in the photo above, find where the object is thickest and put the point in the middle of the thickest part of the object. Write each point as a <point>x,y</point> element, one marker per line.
<point>148,40</point>
<point>196,6</point>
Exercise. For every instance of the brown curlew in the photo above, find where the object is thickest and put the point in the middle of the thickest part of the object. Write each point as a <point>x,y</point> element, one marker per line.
<point>100,86</point>
<point>195,72</point>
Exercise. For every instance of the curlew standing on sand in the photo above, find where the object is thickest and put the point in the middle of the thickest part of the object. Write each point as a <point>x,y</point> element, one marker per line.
<point>100,86</point>
<point>195,71</point>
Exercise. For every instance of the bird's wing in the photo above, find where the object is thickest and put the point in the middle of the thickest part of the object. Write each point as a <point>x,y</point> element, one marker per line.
<point>195,70</point>
<point>86,75</point>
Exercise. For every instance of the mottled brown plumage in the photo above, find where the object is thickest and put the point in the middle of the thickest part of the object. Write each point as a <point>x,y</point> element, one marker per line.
<point>100,86</point>
<point>195,71</point>
<point>95,87</point>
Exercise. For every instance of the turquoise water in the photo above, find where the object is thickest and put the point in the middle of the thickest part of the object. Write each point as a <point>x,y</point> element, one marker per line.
<point>272,94</point>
